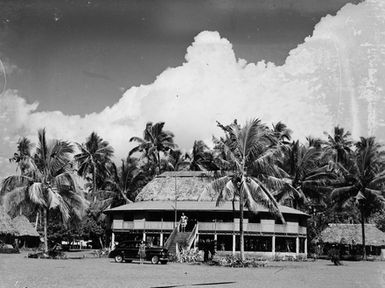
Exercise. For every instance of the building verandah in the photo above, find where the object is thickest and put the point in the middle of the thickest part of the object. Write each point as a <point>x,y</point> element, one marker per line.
<point>263,244</point>
<point>154,221</point>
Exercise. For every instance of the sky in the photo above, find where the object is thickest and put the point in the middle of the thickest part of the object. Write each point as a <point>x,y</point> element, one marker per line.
<point>78,56</point>
<point>110,66</point>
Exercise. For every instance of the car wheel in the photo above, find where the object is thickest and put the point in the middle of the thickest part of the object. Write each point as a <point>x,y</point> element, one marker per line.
<point>163,262</point>
<point>118,258</point>
<point>154,259</point>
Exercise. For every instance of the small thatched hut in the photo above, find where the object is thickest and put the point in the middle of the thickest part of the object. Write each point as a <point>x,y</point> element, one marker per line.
<point>7,230</point>
<point>350,236</point>
<point>25,232</point>
<point>6,226</point>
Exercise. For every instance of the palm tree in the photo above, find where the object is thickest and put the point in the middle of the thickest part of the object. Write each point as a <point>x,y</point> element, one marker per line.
<point>315,142</point>
<point>201,158</point>
<point>123,183</point>
<point>282,133</point>
<point>23,157</point>
<point>247,147</point>
<point>362,181</point>
<point>93,158</point>
<point>339,144</point>
<point>50,185</point>
<point>176,161</point>
<point>306,172</point>
<point>155,140</point>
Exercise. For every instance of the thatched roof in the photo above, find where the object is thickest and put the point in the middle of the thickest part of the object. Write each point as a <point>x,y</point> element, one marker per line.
<point>351,234</point>
<point>187,185</point>
<point>24,227</point>
<point>6,226</point>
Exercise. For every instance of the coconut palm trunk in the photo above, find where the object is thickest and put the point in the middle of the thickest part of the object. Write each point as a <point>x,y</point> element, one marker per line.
<point>37,219</point>
<point>363,232</point>
<point>158,160</point>
<point>247,149</point>
<point>45,223</point>
<point>241,232</point>
<point>94,181</point>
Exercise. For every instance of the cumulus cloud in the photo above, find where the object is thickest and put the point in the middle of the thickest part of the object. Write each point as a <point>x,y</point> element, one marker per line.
<point>335,77</point>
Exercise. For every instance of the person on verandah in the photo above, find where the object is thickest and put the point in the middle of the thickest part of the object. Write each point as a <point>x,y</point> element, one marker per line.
<point>183,222</point>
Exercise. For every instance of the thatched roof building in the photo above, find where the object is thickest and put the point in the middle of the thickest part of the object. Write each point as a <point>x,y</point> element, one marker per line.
<point>24,227</point>
<point>352,234</point>
<point>6,226</point>
<point>158,208</point>
<point>186,185</point>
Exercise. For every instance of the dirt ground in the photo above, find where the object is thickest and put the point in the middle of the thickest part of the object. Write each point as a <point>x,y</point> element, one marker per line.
<point>18,271</point>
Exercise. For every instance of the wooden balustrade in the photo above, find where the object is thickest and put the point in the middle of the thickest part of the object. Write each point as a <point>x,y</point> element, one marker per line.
<point>141,224</point>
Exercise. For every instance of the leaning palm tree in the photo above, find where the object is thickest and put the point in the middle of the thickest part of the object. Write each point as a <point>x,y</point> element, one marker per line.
<point>50,185</point>
<point>155,140</point>
<point>93,158</point>
<point>246,147</point>
<point>124,181</point>
<point>362,181</point>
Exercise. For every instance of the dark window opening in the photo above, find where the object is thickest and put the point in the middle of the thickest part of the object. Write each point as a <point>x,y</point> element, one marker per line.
<point>120,237</point>
<point>153,239</point>
<point>254,243</point>
<point>224,242</point>
<point>302,245</point>
<point>283,244</point>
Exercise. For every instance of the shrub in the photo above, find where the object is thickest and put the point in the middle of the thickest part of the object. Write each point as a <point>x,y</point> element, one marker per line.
<point>190,256</point>
<point>236,262</point>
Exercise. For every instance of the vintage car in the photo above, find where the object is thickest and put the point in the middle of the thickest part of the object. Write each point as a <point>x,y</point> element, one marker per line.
<point>128,251</point>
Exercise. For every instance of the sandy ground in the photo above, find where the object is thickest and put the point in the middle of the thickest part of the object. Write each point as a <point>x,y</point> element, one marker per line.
<point>18,271</point>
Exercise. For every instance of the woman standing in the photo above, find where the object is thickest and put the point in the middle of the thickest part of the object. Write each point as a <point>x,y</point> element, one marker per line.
<point>142,251</point>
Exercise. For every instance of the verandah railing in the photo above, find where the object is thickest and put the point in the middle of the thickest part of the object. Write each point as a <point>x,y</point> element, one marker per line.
<point>172,236</point>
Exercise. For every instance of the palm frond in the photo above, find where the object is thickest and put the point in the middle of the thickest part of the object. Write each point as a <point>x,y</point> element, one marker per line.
<point>261,195</point>
<point>378,180</point>
<point>228,192</point>
<point>343,192</point>
<point>14,198</point>
<point>137,139</point>
<point>12,182</point>
<point>35,193</point>
<point>277,183</point>
<point>376,193</point>
<point>217,186</point>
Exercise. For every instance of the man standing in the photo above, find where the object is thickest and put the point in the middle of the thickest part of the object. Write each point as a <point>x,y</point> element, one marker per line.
<point>183,222</point>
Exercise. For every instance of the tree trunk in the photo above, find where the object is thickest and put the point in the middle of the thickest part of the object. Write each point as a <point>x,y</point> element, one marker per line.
<point>363,233</point>
<point>158,156</point>
<point>37,219</point>
<point>45,216</point>
<point>241,232</point>
<point>125,197</point>
<point>94,182</point>
<point>101,242</point>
